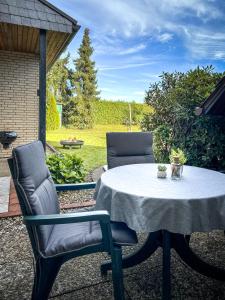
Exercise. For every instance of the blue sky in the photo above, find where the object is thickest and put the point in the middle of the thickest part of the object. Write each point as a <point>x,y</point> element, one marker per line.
<point>136,40</point>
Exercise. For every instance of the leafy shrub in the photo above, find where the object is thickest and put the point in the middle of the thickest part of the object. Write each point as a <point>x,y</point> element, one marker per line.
<point>66,168</point>
<point>52,115</point>
<point>175,124</point>
<point>117,112</point>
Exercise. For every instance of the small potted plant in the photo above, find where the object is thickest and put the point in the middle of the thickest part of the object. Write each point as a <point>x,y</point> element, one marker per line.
<point>161,171</point>
<point>177,160</point>
<point>178,153</point>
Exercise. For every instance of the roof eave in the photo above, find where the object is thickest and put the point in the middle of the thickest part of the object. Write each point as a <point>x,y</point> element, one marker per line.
<point>208,104</point>
<point>66,43</point>
<point>59,11</point>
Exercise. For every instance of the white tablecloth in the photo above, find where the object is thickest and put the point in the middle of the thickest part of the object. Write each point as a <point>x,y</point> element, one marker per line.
<point>133,194</point>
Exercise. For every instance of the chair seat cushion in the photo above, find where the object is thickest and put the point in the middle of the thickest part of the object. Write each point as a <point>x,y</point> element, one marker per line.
<point>69,237</point>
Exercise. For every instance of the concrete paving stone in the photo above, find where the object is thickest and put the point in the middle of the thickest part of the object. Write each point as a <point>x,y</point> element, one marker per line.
<point>4,193</point>
<point>3,207</point>
<point>4,168</point>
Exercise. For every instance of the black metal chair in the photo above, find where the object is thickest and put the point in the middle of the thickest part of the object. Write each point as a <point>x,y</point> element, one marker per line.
<point>124,148</point>
<point>55,237</point>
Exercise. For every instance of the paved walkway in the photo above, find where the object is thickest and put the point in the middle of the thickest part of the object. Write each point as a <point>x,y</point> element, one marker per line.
<point>4,193</point>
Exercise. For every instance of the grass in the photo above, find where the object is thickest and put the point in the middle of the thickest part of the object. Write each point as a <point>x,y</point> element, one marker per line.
<point>93,152</point>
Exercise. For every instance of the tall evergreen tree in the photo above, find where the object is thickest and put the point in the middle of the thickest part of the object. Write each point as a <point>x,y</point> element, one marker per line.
<point>85,84</point>
<point>58,84</point>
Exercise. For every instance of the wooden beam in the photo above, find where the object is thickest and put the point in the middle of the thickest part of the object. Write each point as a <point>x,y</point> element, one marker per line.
<point>42,87</point>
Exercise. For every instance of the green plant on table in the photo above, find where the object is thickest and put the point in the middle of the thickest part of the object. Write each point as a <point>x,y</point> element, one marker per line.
<point>66,168</point>
<point>162,168</point>
<point>178,154</point>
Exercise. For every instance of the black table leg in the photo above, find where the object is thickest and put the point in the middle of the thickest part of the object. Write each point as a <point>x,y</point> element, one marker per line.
<point>168,240</point>
<point>166,244</point>
<point>181,245</point>
<point>152,242</point>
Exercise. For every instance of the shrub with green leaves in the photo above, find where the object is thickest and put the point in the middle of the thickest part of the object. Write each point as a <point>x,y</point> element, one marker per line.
<point>66,168</point>
<point>174,123</point>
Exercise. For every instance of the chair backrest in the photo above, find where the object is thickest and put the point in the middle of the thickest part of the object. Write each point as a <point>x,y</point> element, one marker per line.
<point>125,148</point>
<point>34,186</point>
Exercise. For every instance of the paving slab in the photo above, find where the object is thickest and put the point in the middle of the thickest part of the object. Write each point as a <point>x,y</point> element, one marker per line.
<point>4,193</point>
<point>4,168</point>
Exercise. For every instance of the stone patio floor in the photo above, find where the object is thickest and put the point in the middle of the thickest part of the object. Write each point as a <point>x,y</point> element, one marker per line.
<point>80,278</point>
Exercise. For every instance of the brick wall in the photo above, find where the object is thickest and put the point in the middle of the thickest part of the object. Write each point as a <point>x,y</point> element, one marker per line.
<point>19,79</point>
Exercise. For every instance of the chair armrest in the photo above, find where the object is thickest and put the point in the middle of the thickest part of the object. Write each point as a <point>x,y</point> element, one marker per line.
<point>98,215</point>
<point>75,187</point>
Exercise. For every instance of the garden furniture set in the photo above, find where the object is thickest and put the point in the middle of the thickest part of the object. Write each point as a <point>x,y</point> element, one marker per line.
<point>129,199</point>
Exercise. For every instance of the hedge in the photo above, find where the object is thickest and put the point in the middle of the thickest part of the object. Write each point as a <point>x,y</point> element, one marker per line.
<point>117,112</point>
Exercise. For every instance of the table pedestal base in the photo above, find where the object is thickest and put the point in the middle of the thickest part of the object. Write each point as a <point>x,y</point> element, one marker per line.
<point>168,240</point>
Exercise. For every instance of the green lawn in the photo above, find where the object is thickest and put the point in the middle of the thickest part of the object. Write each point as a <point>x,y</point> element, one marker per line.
<point>93,152</point>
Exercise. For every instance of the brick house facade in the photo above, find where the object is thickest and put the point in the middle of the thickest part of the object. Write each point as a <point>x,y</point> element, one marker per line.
<point>33,34</point>
<point>19,82</point>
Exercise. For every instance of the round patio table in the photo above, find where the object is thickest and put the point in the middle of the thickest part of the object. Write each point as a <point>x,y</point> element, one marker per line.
<point>169,210</point>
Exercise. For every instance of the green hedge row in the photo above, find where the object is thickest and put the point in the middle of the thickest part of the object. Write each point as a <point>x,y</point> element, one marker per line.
<point>117,112</point>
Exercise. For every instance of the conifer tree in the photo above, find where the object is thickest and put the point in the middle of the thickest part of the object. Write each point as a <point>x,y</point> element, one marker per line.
<point>85,84</point>
<point>52,115</point>
<point>58,84</point>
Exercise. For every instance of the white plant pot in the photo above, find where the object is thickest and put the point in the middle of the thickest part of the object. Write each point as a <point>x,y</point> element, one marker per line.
<point>161,174</point>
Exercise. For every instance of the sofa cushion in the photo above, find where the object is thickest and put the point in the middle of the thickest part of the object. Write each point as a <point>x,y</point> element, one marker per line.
<point>35,186</point>
<point>124,148</point>
<point>70,237</point>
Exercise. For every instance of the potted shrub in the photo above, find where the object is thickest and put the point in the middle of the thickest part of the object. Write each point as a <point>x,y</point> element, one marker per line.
<point>177,160</point>
<point>161,171</point>
<point>178,153</point>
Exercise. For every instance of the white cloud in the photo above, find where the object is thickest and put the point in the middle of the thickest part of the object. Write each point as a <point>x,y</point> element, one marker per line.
<point>138,18</point>
<point>219,54</point>
<point>147,78</point>
<point>205,44</point>
<point>113,22</point>
<point>132,50</point>
<point>124,66</point>
<point>165,37</point>
<point>103,47</point>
